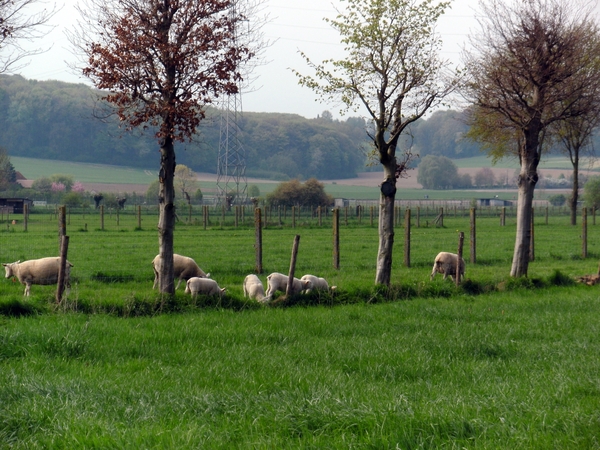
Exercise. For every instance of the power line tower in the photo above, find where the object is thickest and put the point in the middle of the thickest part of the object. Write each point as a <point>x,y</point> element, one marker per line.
<point>232,184</point>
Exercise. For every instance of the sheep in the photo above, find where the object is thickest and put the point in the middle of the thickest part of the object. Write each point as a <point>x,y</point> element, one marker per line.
<point>278,282</point>
<point>184,268</point>
<point>253,288</point>
<point>38,271</point>
<point>205,286</point>
<point>445,263</point>
<point>316,284</point>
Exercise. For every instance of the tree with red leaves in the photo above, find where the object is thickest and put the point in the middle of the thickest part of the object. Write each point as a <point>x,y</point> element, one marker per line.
<point>160,63</point>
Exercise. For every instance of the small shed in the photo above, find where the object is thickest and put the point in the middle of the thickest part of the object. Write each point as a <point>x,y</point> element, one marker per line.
<point>341,202</point>
<point>15,205</point>
<point>493,202</point>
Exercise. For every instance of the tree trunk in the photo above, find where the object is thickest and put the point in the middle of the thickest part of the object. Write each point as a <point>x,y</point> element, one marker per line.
<point>386,225</point>
<point>166,221</point>
<point>527,181</point>
<point>575,191</point>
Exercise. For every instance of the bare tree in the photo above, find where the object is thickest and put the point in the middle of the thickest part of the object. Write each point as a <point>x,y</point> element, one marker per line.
<point>394,71</point>
<point>162,62</point>
<point>528,69</point>
<point>185,181</point>
<point>20,22</point>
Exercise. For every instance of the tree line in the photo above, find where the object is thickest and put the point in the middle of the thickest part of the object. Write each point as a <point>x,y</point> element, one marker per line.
<point>58,120</point>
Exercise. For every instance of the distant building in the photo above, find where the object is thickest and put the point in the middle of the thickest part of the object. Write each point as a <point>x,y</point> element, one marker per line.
<point>493,202</point>
<point>14,205</point>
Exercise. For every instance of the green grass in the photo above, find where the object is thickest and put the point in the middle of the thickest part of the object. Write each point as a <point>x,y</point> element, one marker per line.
<point>508,370</point>
<point>99,173</point>
<point>495,363</point>
<point>33,169</point>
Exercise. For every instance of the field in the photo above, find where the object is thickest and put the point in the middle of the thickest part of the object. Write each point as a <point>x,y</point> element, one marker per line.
<point>494,363</point>
<point>106,178</point>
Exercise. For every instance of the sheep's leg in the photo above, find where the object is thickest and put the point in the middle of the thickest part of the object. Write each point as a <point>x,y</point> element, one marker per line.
<point>177,287</point>
<point>27,289</point>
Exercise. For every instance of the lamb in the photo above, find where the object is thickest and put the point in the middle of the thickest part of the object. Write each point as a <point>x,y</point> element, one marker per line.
<point>41,271</point>
<point>278,282</point>
<point>445,263</point>
<point>316,284</point>
<point>205,286</point>
<point>184,268</point>
<point>253,288</point>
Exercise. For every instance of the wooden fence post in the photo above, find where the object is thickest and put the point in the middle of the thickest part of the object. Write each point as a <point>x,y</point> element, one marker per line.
<point>407,237</point>
<point>258,239</point>
<point>336,238</point>
<point>139,216</point>
<point>473,235</point>
<point>503,216</point>
<point>62,224</point>
<point>461,239</point>
<point>25,216</point>
<point>102,217</point>
<point>290,285</point>
<point>62,267</point>
<point>418,216</point>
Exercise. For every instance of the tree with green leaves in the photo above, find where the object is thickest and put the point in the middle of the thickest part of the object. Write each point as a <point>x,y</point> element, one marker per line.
<point>8,175</point>
<point>527,60</point>
<point>591,192</point>
<point>438,172</point>
<point>158,64</point>
<point>393,70</point>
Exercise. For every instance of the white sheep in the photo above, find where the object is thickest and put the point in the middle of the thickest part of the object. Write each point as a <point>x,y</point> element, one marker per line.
<point>253,288</point>
<point>205,286</point>
<point>278,282</point>
<point>316,284</point>
<point>184,268</point>
<point>445,263</point>
<point>38,271</point>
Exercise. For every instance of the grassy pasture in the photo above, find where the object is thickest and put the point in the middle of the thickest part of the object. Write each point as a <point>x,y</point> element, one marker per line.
<point>493,364</point>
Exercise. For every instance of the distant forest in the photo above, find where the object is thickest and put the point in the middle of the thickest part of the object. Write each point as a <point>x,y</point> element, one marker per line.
<point>58,120</point>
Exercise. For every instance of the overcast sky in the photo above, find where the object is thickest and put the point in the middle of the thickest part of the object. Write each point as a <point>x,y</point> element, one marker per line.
<point>293,26</point>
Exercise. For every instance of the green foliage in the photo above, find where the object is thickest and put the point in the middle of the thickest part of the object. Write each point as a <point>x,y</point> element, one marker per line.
<point>72,199</point>
<point>591,192</point>
<point>440,172</point>
<point>152,193</point>
<point>294,193</point>
<point>557,199</point>
<point>8,174</point>
<point>253,191</point>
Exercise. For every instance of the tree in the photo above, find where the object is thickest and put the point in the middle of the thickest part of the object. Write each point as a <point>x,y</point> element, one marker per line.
<point>528,58</point>
<point>17,24</point>
<point>8,175</point>
<point>557,200</point>
<point>294,193</point>
<point>393,70</point>
<point>591,192</point>
<point>160,62</point>
<point>575,132</point>
<point>437,172</point>
<point>484,177</point>
<point>185,181</point>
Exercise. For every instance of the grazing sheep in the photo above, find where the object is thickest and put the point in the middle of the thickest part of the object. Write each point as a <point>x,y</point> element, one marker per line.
<point>205,286</point>
<point>278,282</point>
<point>253,288</point>
<point>184,268</point>
<point>445,263</point>
<point>316,284</point>
<point>38,271</point>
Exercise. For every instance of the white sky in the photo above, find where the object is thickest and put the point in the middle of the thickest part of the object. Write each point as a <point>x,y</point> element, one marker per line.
<point>293,26</point>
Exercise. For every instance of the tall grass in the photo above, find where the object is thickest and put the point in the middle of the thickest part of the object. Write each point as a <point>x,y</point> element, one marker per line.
<point>508,370</point>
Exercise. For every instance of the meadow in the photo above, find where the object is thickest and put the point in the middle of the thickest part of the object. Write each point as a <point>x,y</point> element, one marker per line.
<point>494,363</point>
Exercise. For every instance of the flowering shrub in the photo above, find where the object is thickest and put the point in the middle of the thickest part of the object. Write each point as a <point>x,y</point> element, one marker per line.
<point>57,187</point>
<point>78,187</point>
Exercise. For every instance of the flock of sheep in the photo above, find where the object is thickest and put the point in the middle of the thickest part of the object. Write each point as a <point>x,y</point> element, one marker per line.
<point>45,271</point>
